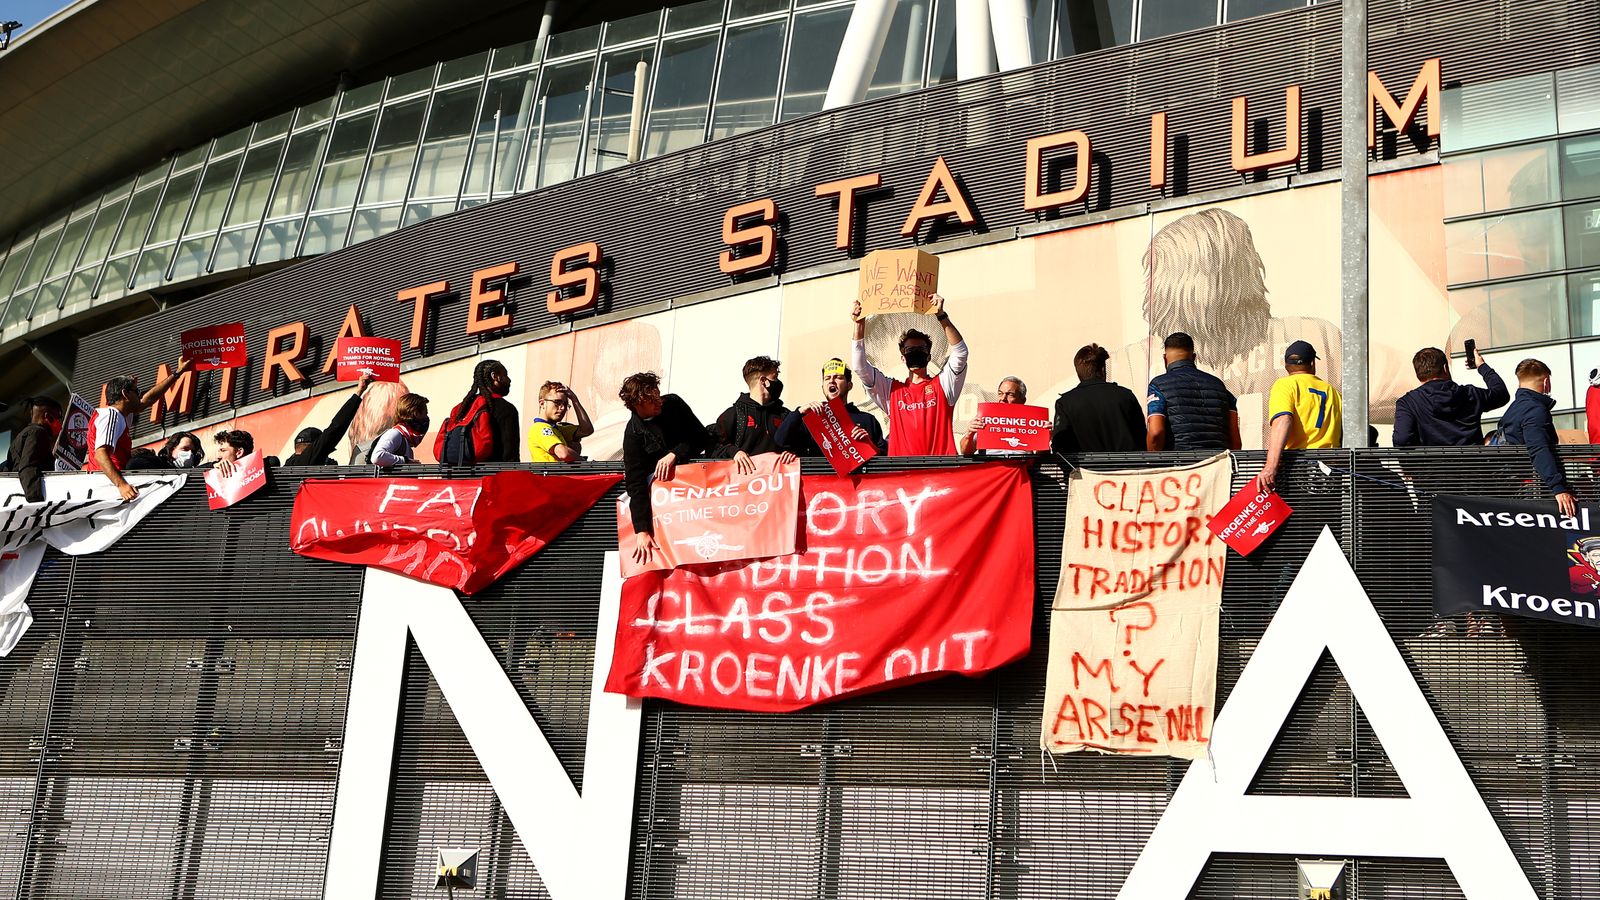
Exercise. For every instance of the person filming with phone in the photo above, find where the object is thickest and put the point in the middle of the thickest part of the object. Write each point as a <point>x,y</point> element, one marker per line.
<point>1442,413</point>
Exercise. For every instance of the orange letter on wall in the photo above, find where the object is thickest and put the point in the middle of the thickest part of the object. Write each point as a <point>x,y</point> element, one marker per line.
<point>419,297</point>
<point>284,358</point>
<point>926,208</point>
<point>1426,85</point>
<point>1243,160</point>
<point>179,397</point>
<point>846,189</point>
<point>584,276</point>
<point>1032,199</point>
<point>482,296</point>
<point>352,327</point>
<point>760,232</point>
<point>1158,150</point>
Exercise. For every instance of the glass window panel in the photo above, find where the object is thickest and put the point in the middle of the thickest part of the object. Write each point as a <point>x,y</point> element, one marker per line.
<point>152,267</point>
<point>1583,292</point>
<point>694,15</point>
<point>464,68</point>
<point>255,183</point>
<point>325,233</point>
<point>1583,235</point>
<point>230,142</point>
<point>411,82</point>
<point>444,146</point>
<point>511,57</point>
<point>816,42</point>
<point>506,106</point>
<point>1500,179</point>
<point>748,82</point>
<point>1578,99</point>
<point>682,94</point>
<point>13,267</point>
<point>274,127</point>
<point>393,152</point>
<point>140,209</point>
<point>190,160</point>
<point>942,69</point>
<point>371,223</point>
<point>318,111</point>
<point>154,176</point>
<point>633,28</point>
<point>233,248</point>
<point>1499,112</point>
<point>361,97</point>
<point>347,153</point>
<point>80,288</point>
<point>1580,168</point>
<point>105,225</point>
<point>742,9</point>
<point>900,65</point>
<point>47,301</point>
<point>1525,312</point>
<point>608,134</point>
<point>278,240</point>
<point>569,42</point>
<point>43,248</point>
<point>1244,9</point>
<point>17,312</point>
<point>563,94</point>
<point>1162,17</point>
<point>421,212</point>
<point>1503,246</point>
<point>114,282</point>
<point>174,206</point>
<point>213,197</point>
<point>190,259</point>
<point>1463,185</point>
<point>71,243</point>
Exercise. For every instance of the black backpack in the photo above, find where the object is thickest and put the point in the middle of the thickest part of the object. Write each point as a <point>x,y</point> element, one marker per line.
<point>459,448</point>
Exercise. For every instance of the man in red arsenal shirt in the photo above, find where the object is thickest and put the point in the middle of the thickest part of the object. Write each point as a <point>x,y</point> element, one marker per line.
<point>110,438</point>
<point>919,408</point>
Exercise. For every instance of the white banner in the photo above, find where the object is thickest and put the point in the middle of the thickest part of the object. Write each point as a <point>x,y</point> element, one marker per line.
<point>81,514</point>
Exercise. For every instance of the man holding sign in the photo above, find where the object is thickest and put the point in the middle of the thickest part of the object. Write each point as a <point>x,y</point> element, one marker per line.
<point>1011,392</point>
<point>837,381</point>
<point>920,408</point>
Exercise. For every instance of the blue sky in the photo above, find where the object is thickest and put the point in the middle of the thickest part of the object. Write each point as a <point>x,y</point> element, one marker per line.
<point>28,12</point>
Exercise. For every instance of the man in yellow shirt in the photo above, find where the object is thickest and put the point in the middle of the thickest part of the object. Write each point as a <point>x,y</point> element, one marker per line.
<point>550,439</point>
<point>1305,411</point>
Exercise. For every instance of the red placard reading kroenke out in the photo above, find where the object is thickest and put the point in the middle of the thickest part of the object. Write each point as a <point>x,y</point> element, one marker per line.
<point>831,430</point>
<point>378,357</point>
<point>215,347</point>
<point>1013,426</point>
<point>249,475</point>
<point>1249,518</point>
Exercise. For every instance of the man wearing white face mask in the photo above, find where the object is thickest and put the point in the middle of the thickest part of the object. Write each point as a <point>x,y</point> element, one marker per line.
<point>183,451</point>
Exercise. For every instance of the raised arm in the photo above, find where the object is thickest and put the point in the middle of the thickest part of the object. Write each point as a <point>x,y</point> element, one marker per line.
<point>160,387</point>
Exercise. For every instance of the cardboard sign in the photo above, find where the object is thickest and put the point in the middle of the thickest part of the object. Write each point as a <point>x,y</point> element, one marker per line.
<point>1013,426</point>
<point>708,513</point>
<point>215,347</point>
<point>249,475</point>
<point>898,281</point>
<point>831,430</point>
<point>378,357</point>
<point>1249,518</point>
<point>72,445</point>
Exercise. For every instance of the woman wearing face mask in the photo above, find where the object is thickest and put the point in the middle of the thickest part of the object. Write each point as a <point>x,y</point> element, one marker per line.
<point>183,451</point>
<point>397,445</point>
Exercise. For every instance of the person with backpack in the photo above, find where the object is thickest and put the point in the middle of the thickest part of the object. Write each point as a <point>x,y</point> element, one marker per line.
<point>484,426</point>
<point>397,445</point>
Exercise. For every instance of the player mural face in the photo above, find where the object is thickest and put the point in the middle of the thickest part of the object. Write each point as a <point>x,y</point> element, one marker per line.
<point>1203,276</point>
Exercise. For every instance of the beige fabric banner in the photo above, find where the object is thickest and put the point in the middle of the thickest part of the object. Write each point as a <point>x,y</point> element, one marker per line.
<point>1133,630</point>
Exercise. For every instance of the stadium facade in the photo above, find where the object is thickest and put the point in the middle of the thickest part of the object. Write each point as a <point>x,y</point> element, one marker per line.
<point>1102,172</point>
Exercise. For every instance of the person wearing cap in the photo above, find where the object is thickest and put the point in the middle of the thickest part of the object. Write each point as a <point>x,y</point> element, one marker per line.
<point>921,407</point>
<point>1189,409</point>
<point>1527,422</point>
<point>1010,390</point>
<point>795,437</point>
<point>1305,412</point>
<point>312,445</point>
<point>552,440</point>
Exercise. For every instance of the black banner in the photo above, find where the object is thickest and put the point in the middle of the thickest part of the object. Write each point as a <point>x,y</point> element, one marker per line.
<point>1516,557</point>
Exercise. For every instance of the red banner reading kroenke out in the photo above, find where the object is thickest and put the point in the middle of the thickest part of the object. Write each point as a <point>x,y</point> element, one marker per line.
<point>460,533</point>
<point>249,476</point>
<point>215,347</point>
<point>1013,426</point>
<point>831,430</point>
<point>1249,518</point>
<point>710,513</point>
<point>358,356</point>
<point>903,577</point>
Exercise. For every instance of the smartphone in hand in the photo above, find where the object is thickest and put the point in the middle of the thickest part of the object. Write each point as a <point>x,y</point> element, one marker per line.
<point>1472,353</point>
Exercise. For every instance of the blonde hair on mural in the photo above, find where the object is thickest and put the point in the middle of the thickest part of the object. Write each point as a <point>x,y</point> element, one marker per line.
<point>1203,276</point>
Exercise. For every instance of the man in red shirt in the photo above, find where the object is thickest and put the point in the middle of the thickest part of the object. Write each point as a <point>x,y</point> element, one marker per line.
<point>920,408</point>
<point>110,438</point>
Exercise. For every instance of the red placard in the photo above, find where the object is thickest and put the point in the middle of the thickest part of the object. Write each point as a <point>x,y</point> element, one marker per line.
<point>378,357</point>
<point>831,430</point>
<point>215,347</point>
<point>1013,426</point>
<point>249,475</point>
<point>460,533</point>
<point>708,512</point>
<point>904,576</point>
<point>72,444</point>
<point>1249,518</point>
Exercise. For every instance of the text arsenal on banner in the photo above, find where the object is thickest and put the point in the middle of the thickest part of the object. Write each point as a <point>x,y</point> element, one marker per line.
<point>1516,558</point>
<point>1133,630</point>
<point>709,512</point>
<point>903,577</point>
<point>460,533</point>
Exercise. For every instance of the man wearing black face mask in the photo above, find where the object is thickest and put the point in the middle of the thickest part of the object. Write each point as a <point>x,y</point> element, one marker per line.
<point>920,408</point>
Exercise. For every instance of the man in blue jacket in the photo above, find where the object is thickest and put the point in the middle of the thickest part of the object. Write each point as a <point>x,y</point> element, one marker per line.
<point>1441,413</point>
<point>1527,422</point>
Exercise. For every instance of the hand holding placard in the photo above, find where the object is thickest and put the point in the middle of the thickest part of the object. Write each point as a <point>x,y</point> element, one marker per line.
<point>897,281</point>
<point>368,357</point>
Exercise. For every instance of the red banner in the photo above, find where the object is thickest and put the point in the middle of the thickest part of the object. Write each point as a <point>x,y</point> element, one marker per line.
<point>904,576</point>
<point>358,356</point>
<point>460,533</point>
<point>1249,518</point>
<point>710,513</point>
<point>215,347</point>
<point>1013,426</point>
<point>831,430</point>
<point>249,475</point>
